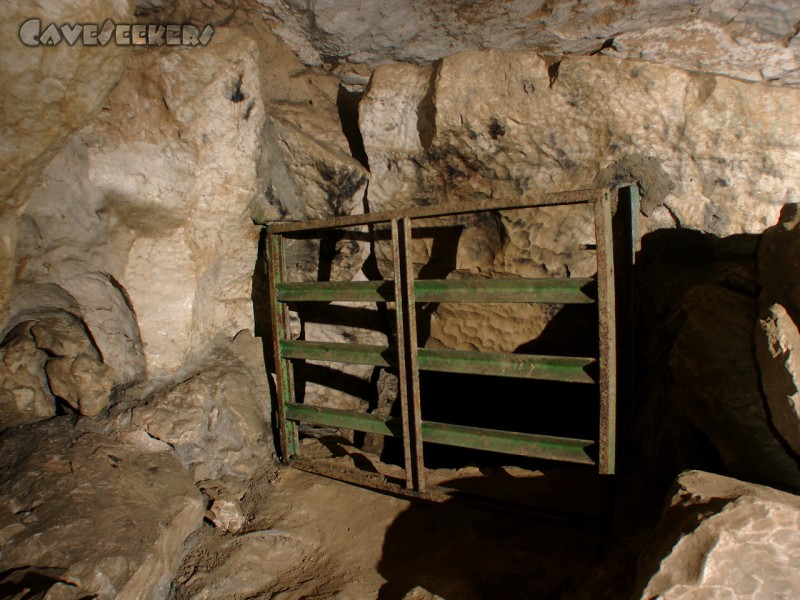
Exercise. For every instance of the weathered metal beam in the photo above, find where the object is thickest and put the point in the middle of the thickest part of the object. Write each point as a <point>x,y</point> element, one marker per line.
<point>477,438</point>
<point>354,354</point>
<point>606,334</point>
<point>438,210</point>
<point>337,291</point>
<point>344,419</point>
<point>546,290</point>
<point>509,442</point>
<point>279,322</point>
<point>525,366</point>
<point>402,367</point>
<point>411,355</point>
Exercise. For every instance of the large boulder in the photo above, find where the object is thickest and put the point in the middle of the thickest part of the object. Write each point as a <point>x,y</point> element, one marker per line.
<point>723,538</point>
<point>717,387</point>
<point>85,515</point>
<point>777,335</point>
<point>25,396</point>
<point>51,357</point>
<point>778,352</point>
<point>217,419</point>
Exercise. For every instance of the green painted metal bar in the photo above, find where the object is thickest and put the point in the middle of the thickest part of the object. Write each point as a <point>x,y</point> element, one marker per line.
<point>279,318</point>
<point>606,334</point>
<point>344,419</point>
<point>547,290</point>
<point>509,442</point>
<point>354,354</point>
<point>477,438</point>
<point>340,291</point>
<point>524,366</point>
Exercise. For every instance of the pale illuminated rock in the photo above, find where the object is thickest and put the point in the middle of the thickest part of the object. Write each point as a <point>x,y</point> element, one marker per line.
<point>723,538</point>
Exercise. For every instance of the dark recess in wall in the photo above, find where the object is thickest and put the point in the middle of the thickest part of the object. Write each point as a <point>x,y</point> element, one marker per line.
<point>347,103</point>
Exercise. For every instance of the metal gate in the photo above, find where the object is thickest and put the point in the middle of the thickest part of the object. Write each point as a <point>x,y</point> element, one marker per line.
<point>404,291</point>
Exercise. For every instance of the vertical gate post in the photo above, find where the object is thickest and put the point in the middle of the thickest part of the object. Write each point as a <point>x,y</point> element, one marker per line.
<point>607,333</point>
<point>280,330</point>
<point>412,353</point>
<point>408,359</point>
<point>626,244</point>
<point>403,384</point>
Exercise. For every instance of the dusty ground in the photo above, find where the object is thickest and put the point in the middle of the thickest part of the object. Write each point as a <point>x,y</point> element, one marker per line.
<point>312,537</point>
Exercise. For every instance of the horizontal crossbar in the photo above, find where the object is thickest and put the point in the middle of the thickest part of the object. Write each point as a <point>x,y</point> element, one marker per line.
<point>439,210</point>
<point>500,364</point>
<point>545,290</point>
<point>477,438</point>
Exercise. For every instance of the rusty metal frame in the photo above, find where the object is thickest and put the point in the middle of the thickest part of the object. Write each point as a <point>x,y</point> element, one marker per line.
<point>407,356</point>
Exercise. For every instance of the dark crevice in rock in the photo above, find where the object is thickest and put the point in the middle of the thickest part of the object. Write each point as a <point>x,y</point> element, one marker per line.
<point>347,105</point>
<point>426,109</point>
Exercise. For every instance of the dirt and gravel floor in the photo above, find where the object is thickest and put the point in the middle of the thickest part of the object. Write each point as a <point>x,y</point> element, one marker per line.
<point>309,537</point>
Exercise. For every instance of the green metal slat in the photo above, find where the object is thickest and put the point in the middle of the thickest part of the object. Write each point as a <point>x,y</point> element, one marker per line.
<point>525,366</point>
<point>356,354</point>
<point>333,417</point>
<point>509,442</point>
<point>477,438</point>
<point>577,290</point>
<point>547,290</point>
<point>342,291</point>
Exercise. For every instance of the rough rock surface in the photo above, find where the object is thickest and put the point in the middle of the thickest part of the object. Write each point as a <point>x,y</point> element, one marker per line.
<point>158,213</point>
<point>52,355</point>
<point>777,337</point>
<point>779,263</point>
<point>717,384</point>
<point>756,41</point>
<point>217,419</point>
<point>48,93</point>
<point>25,396</point>
<point>108,519</point>
<point>722,538</point>
<point>778,351</point>
<point>74,370</point>
<point>509,124</point>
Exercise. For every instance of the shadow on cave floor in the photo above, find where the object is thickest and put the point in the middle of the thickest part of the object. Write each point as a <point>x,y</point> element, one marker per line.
<point>456,551</point>
<point>509,532</point>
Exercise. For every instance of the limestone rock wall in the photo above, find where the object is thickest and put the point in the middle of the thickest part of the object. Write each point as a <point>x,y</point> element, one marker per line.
<point>47,94</point>
<point>712,153</point>
<point>132,266</point>
<point>753,41</point>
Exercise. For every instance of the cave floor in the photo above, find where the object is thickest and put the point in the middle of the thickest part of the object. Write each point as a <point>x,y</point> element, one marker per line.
<point>312,537</point>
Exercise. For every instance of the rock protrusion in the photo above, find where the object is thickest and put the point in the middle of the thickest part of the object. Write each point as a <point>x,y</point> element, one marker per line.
<point>723,538</point>
<point>112,517</point>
